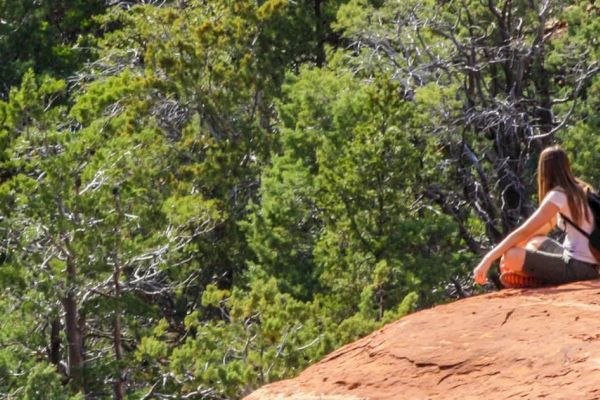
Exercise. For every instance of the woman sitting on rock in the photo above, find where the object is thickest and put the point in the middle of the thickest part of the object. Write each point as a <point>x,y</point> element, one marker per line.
<point>530,259</point>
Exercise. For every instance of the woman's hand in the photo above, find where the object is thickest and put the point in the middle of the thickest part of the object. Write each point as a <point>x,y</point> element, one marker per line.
<point>480,272</point>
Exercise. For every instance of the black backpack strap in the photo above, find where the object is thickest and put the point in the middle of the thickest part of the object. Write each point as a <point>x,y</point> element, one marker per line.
<point>587,235</point>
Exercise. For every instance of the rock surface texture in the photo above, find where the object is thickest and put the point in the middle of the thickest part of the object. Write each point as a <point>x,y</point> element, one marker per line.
<point>512,344</point>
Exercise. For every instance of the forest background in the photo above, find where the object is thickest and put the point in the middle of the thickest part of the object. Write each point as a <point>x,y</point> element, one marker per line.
<point>198,197</point>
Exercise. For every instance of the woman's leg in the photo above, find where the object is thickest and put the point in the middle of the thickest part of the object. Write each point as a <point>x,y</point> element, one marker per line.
<point>546,264</point>
<point>514,259</point>
<point>543,243</point>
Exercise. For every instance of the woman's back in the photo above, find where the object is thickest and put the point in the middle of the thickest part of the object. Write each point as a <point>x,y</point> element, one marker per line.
<point>575,244</point>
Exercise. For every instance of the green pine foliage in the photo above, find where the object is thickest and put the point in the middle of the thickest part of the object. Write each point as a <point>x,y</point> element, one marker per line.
<point>201,197</point>
<point>50,37</point>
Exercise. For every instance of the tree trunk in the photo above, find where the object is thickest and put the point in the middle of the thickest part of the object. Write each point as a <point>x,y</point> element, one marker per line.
<point>320,50</point>
<point>54,346</point>
<point>119,381</point>
<point>74,336</point>
<point>118,386</point>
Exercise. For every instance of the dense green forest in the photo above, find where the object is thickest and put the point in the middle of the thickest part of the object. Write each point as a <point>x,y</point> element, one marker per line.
<point>198,197</point>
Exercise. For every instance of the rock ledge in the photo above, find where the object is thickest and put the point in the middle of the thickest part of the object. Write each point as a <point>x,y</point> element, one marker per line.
<point>517,343</point>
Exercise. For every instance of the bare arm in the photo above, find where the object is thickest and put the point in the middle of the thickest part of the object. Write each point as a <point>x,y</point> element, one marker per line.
<point>543,231</point>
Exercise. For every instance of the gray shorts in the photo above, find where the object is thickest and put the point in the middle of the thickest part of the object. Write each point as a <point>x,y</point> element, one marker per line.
<point>551,265</point>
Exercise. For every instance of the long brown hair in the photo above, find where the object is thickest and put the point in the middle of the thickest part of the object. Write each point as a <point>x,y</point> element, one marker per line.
<point>554,172</point>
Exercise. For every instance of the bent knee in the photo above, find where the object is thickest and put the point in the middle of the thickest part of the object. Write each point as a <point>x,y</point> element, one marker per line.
<point>513,259</point>
<point>535,242</point>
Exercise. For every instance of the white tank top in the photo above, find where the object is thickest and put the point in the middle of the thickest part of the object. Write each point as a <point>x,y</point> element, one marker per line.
<point>575,244</point>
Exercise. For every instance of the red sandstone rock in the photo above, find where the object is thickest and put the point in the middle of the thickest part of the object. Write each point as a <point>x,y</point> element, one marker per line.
<point>517,344</point>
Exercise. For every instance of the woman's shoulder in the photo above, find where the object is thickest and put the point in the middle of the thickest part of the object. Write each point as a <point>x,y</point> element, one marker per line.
<point>557,196</point>
<point>556,191</point>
